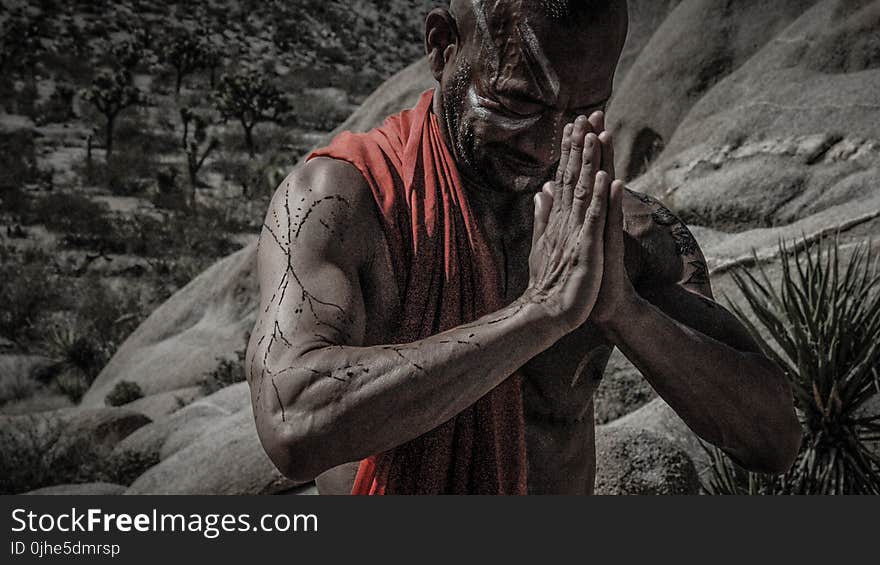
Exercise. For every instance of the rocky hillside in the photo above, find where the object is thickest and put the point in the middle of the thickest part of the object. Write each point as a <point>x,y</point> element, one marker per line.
<point>754,121</point>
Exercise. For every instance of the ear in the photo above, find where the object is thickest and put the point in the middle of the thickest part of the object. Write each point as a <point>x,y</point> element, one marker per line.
<point>441,40</point>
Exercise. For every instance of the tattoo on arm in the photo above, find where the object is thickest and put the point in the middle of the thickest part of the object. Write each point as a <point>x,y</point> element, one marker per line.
<point>699,275</point>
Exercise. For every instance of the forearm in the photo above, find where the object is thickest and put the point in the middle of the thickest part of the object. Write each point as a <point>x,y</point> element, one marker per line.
<point>734,399</point>
<point>338,403</point>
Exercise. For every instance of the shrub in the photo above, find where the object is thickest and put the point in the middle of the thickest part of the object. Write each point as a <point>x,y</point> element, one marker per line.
<point>822,323</point>
<point>59,107</point>
<point>28,293</point>
<point>79,357</point>
<point>123,393</point>
<point>228,372</point>
<point>18,162</point>
<point>41,454</point>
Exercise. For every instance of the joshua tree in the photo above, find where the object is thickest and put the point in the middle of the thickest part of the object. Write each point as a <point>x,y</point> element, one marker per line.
<point>128,53</point>
<point>197,150</point>
<point>250,97</point>
<point>185,52</point>
<point>21,42</point>
<point>111,92</point>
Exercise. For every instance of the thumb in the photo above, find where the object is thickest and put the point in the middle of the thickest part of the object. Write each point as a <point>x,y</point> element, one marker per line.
<point>614,224</point>
<point>543,206</point>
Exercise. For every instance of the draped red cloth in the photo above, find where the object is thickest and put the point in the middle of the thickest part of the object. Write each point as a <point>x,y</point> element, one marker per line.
<point>446,277</point>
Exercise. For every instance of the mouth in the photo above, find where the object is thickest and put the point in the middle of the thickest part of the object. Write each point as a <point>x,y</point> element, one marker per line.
<point>522,165</point>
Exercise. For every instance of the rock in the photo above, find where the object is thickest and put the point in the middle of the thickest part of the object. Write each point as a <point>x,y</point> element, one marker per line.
<point>180,438</point>
<point>105,427</point>
<point>232,398</point>
<point>308,489</point>
<point>182,340</point>
<point>229,460</point>
<point>697,45</point>
<point>782,135</point>
<point>640,462</point>
<point>89,489</point>
<point>661,420</point>
<point>623,389</point>
<point>148,440</point>
<point>158,406</point>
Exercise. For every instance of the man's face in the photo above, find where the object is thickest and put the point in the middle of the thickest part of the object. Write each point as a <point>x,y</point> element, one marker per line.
<point>517,79</point>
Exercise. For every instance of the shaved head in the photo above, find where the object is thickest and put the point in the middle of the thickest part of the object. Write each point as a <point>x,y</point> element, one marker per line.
<point>521,70</point>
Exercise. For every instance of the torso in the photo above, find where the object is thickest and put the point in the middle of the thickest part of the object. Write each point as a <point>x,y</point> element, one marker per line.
<point>558,384</point>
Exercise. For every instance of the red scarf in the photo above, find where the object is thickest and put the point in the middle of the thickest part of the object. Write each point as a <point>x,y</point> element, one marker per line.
<point>446,276</point>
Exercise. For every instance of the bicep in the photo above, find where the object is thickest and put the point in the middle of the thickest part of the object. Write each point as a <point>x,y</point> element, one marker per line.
<point>310,292</point>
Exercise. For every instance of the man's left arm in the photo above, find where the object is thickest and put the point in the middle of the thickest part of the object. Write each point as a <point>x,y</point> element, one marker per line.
<point>697,355</point>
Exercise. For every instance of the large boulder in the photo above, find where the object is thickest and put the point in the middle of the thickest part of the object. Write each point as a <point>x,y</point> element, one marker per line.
<point>150,439</point>
<point>229,460</point>
<point>640,462</point>
<point>698,44</point>
<point>90,489</point>
<point>786,128</point>
<point>182,340</point>
<point>160,405</point>
<point>658,418</point>
<point>623,390</point>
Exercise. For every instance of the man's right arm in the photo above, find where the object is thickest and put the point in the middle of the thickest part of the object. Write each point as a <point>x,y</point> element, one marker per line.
<point>320,397</point>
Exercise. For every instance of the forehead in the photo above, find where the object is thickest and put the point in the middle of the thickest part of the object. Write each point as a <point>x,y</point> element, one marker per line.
<point>522,48</point>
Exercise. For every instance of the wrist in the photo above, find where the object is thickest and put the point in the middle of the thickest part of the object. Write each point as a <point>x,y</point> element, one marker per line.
<point>622,318</point>
<point>542,315</point>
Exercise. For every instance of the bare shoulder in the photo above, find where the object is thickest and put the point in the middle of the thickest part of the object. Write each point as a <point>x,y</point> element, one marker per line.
<point>323,207</point>
<point>667,251</point>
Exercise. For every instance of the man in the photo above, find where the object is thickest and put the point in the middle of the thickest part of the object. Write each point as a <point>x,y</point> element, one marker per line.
<point>440,296</point>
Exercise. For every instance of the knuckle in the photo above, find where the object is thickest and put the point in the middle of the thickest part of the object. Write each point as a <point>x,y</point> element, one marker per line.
<point>594,214</point>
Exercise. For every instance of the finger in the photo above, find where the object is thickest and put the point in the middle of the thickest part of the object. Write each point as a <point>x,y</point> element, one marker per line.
<point>575,158</point>
<point>593,228</point>
<point>607,141</point>
<point>543,205</point>
<point>597,121</point>
<point>614,225</point>
<point>583,191</point>
<point>564,150</point>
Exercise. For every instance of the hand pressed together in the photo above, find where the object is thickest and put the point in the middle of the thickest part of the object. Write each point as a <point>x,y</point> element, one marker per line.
<point>576,264</point>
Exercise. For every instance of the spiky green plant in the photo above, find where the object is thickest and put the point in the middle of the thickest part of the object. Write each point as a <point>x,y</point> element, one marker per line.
<point>821,324</point>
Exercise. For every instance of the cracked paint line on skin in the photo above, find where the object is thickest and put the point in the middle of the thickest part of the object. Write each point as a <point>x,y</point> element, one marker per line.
<point>536,52</point>
<point>484,33</point>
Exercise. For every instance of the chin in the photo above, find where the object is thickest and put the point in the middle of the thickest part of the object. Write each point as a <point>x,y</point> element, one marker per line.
<point>499,176</point>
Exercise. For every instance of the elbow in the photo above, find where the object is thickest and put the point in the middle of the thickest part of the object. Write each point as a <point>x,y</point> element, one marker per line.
<point>296,448</point>
<point>775,454</point>
<point>775,446</point>
<point>775,440</point>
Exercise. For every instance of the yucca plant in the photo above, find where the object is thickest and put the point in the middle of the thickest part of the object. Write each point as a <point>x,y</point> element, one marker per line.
<point>821,324</point>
